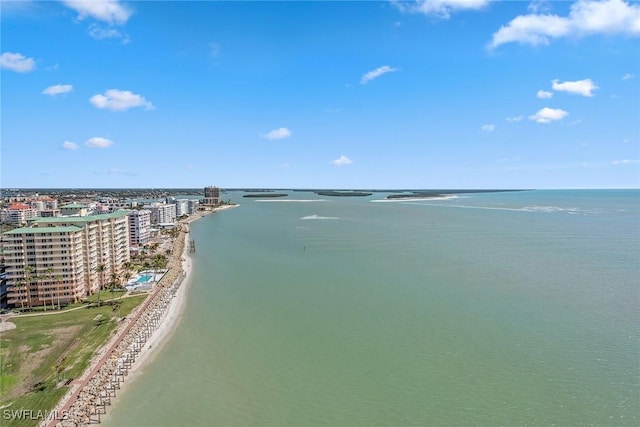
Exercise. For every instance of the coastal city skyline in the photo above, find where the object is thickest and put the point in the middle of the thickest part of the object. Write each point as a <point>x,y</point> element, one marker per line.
<point>445,94</point>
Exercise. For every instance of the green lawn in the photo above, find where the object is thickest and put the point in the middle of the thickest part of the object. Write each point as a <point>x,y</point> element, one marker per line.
<point>43,352</point>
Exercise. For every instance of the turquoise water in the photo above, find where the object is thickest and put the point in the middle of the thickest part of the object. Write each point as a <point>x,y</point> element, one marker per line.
<point>485,309</point>
<point>144,279</point>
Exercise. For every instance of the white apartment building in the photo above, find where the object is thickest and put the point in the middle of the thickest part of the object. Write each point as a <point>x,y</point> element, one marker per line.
<point>162,213</point>
<point>44,204</point>
<point>60,257</point>
<point>194,204</point>
<point>18,213</point>
<point>139,227</point>
<point>182,207</point>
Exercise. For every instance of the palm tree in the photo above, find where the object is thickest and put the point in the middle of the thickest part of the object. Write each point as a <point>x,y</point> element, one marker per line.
<point>159,262</point>
<point>127,265</point>
<point>100,270</point>
<point>126,276</point>
<point>114,283</point>
<point>40,293</point>
<point>21,283</point>
<point>58,279</point>
<point>49,275</point>
<point>28,278</point>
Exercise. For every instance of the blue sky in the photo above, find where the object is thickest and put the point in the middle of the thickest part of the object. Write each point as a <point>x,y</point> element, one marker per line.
<point>366,94</point>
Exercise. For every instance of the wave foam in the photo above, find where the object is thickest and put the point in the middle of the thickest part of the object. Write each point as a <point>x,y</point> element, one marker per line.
<point>319,217</point>
<point>414,199</point>
<point>532,209</point>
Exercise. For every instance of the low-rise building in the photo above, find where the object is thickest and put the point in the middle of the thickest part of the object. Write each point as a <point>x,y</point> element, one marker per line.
<point>74,209</point>
<point>18,213</point>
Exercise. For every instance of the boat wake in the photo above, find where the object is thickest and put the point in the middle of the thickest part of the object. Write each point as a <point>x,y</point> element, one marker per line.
<point>318,217</point>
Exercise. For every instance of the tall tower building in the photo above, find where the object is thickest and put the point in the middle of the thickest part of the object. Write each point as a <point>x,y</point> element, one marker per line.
<point>211,196</point>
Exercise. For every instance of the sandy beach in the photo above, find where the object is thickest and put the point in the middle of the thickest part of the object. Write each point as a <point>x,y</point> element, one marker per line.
<point>179,264</point>
<point>176,309</point>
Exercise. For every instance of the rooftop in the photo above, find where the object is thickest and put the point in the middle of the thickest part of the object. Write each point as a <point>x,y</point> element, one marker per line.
<point>80,219</point>
<point>40,230</point>
<point>74,206</point>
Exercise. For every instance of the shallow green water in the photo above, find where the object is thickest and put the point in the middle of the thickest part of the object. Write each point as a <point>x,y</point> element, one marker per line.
<point>487,309</point>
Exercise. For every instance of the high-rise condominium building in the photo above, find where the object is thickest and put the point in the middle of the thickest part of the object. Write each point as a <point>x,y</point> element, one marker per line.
<point>139,227</point>
<point>64,259</point>
<point>162,213</point>
<point>211,196</point>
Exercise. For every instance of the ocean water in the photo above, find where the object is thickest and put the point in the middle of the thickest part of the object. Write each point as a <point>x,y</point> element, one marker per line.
<point>518,308</point>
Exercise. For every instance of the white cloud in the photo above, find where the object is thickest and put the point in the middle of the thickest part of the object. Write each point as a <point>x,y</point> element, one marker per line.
<point>547,115</point>
<point>110,11</point>
<point>625,162</point>
<point>537,6</point>
<point>68,145</point>
<point>98,142</point>
<point>587,17</point>
<point>580,87</point>
<point>100,33</point>
<point>120,100</point>
<point>515,118</point>
<point>377,73</point>
<point>440,8</point>
<point>531,29</point>
<point>628,76</point>
<point>17,62</point>
<point>341,161</point>
<point>544,94</point>
<point>277,134</point>
<point>488,128</point>
<point>57,90</point>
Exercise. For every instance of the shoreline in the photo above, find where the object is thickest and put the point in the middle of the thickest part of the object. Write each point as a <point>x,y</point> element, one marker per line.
<point>174,313</point>
<point>171,319</point>
<point>179,271</point>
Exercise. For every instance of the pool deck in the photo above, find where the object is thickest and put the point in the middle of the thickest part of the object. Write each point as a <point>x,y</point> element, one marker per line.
<point>135,284</point>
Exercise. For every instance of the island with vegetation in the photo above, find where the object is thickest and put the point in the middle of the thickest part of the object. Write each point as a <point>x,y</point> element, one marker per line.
<point>417,195</point>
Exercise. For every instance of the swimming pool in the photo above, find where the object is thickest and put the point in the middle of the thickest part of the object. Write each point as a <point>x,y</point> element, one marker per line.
<point>144,279</point>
